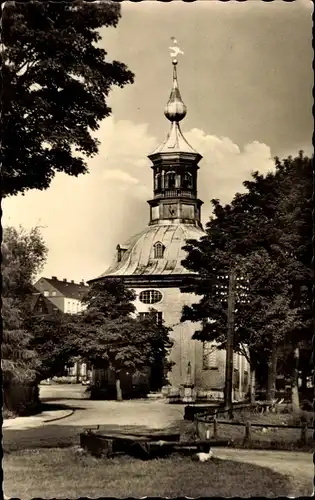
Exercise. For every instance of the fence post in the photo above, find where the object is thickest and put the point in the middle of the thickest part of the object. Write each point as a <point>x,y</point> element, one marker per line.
<point>303,433</point>
<point>248,429</point>
<point>215,427</point>
<point>197,431</point>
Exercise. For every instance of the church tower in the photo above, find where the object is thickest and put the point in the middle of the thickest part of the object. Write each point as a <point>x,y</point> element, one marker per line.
<point>175,168</point>
<point>150,262</point>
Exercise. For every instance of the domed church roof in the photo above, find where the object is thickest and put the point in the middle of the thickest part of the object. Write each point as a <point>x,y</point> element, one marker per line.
<point>139,253</point>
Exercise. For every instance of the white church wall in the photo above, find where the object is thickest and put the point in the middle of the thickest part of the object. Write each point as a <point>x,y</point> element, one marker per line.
<point>185,349</point>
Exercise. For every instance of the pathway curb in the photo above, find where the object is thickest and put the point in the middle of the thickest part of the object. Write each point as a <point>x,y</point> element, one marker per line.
<point>54,419</point>
<point>38,420</point>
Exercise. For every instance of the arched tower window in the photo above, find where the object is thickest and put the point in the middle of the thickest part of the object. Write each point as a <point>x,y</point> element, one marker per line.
<point>158,182</point>
<point>170,180</point>
<point>177,181</point>
<point>187,180</point>
<point>158,250</point>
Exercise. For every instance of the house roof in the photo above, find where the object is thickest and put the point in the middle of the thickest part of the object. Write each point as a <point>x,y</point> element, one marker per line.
<point>38,299</point>
<point>66,288</point>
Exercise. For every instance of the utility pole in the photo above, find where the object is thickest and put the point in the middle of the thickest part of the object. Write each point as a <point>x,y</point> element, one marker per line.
<point>229,345</point>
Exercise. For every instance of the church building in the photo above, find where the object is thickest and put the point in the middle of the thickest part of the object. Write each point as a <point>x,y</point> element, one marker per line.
<point>151,261</point>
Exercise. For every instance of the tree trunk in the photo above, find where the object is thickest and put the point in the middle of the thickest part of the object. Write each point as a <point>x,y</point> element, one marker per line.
<point>78,367</point>
<point>303,389</point>
<point>228,388</point>
<point>118,388</point>
<point>304,383</point>
<point>272,374</point>
<point>295,382</point>
<point>252,386</point>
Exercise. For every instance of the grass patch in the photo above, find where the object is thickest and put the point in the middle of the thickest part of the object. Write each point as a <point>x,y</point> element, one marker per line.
<point>279,418</point>
<point>67,473</point>
<point>267,438</point>
<point>58,436</point>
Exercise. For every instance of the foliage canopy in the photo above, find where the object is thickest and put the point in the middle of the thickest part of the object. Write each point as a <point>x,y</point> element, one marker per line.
<point>55,84</point>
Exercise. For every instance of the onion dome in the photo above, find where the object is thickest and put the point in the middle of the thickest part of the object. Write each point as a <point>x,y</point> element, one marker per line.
<point>175,110</point>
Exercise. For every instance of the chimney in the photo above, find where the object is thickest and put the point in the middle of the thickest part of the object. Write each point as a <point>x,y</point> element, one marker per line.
<point>72,281</point>
<point>64,280</point>
<point>54,277</point>
<point>82,282</point>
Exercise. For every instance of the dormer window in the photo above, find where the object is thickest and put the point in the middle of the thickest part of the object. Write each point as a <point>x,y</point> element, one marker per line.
<point>120,252</point>
<point>158,250</point>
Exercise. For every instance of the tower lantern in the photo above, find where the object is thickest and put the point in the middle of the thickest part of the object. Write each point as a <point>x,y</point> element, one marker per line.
<point>175,166</point>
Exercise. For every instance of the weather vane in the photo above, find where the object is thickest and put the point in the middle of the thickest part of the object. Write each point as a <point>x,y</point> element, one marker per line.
<point>175,50</point>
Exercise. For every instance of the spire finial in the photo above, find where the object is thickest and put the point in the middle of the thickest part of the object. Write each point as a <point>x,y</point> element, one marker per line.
<point>175,109</point>
<point>175,50</point>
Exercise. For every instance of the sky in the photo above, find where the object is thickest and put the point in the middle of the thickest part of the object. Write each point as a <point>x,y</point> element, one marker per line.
<point>246,78</point>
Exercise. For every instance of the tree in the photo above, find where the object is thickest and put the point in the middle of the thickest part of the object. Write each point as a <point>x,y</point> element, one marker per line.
<point>109,299</point>
<point>55,84</point>
<point>52,341</point>
<point>18,360</point>
<point>111,336</point>
<point>252,236</point>
<point>23,254</point>
<point>295,208</point>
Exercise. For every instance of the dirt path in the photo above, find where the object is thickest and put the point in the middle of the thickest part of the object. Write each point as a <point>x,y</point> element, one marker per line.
<point>297,466</point>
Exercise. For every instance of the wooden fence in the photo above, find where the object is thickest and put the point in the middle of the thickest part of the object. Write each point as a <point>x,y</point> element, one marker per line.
<point>211,418</point>
<point>248,426</point>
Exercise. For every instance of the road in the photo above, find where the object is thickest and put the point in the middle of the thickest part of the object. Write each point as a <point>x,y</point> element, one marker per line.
<point>141,412</point>
<point>298,466</point>
<point>88,414</point>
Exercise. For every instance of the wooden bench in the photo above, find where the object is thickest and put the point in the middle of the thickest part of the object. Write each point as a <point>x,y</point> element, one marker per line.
<point>144,447</point>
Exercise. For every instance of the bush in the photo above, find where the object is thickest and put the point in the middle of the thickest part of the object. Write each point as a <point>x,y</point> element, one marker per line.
<point>307,405</point>
<point>20,399</point>
<point>301,417</point>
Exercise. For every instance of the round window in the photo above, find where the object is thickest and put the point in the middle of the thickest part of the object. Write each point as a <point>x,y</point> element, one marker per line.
<point>150,296</point>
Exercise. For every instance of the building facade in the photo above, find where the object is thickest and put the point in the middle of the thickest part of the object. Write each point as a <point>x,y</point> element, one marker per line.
<point>151,261</point>
<point>65,295</point>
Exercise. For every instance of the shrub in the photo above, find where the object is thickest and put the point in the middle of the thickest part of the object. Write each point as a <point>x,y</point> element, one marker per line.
<point>301,417</point>
<point>307,405</point>
<point>21,399</point>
